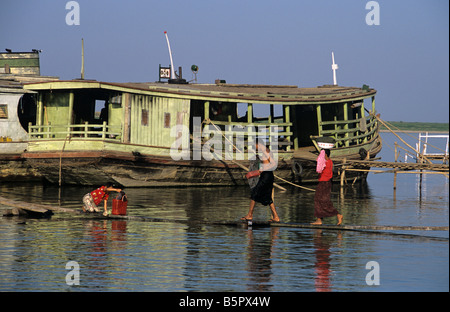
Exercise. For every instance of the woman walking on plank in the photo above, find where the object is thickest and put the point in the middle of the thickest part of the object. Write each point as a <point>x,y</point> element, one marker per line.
<point>262,192</point>
<point>323,207</point>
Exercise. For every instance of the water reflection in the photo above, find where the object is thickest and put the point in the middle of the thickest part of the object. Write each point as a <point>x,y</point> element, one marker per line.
<point>259,259</point>
<point>323,268</point>
<point>144,256</point>
<point>322,263</point>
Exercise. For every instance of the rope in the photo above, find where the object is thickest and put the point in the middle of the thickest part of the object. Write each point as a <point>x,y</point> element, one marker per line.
<point>404,132</point>
<point>209,121</point>
<point>385,123</point>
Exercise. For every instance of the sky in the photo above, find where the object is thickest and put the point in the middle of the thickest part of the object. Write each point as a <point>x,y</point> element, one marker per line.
<point>398,47</point>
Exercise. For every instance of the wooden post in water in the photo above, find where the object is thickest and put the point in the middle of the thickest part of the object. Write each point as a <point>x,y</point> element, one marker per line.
<point>395,160</point>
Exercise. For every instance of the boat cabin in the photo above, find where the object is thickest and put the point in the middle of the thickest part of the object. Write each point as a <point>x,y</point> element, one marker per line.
<point>143,114</point>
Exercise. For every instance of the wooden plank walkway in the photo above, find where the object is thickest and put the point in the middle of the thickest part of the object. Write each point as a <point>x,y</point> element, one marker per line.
<point>31,209</point>
<point>397,165</point>
<point>31,206</point>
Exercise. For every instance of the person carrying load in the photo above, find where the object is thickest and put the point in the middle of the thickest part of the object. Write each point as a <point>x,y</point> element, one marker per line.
<point>262,192</point>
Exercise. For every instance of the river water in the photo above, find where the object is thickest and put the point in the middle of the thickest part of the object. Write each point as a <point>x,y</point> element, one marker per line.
<point>118,255</point>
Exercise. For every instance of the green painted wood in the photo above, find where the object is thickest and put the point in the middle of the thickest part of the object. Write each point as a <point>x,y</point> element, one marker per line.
<point>287,119</point>
<point>319,119</point>
<point>250,113</point>
<point>153,117</point>
<point>20,62</point>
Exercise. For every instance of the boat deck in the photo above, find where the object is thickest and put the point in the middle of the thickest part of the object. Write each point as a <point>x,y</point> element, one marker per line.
<point>308,153</point>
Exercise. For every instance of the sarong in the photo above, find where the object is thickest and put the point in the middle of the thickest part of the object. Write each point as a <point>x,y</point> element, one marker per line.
<point>262,192</point>
<point>323,207</point>
<point>89,204</point>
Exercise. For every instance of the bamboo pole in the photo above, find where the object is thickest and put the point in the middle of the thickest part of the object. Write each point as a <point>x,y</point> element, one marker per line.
<point>299,186</point>
<point>387,127</point>
<point>395,160</point>
<point>237,163</point>
<point>399,171</point>
<point>241,165</point>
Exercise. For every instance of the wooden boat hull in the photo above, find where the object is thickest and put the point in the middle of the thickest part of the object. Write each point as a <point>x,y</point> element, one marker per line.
<point>130,170</point>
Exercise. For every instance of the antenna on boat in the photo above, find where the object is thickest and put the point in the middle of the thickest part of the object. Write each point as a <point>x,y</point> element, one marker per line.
<point>334,67</point>
<point>172,72</point>
<point>173,77</point>
<point>82,59</point>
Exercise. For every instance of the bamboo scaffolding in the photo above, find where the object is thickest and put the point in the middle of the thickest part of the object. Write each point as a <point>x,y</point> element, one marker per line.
<point>397,171</point>
<point>416,151</point>
<point>397,168</point>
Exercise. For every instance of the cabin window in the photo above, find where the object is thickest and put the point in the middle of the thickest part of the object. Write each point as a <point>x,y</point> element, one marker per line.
<point>242,112</point>
<point>116,99</point>
<point>166,120</point>
<point>144,120</point>
<point>3,111</point>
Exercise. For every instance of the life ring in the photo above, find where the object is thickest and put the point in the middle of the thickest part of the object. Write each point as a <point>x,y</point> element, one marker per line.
<point>297,168</point>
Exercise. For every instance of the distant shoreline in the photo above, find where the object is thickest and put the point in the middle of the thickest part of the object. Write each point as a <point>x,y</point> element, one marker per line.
<point>430,127</point>
<point>414,131</point>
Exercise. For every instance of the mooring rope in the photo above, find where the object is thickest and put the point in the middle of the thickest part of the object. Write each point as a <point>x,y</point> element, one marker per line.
<point>243,167</point>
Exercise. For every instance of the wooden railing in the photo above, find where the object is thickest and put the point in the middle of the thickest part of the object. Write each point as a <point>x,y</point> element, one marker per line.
<point>279,131</point>
<point>349,132</point>
<point>86,130</point>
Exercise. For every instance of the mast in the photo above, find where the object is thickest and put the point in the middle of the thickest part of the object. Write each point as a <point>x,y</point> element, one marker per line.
<point>334,67</point>
<point>82,59</point>
<point>172,70</point>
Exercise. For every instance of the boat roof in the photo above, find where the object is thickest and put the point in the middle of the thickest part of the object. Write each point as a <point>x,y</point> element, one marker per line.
<point>265,94</point>
<point>13,83</point>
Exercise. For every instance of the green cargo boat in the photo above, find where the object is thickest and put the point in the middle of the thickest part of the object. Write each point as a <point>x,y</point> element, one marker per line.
<point>160,134</point>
